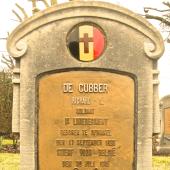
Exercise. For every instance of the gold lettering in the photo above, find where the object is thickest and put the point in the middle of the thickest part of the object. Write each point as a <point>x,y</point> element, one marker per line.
<point>106,152</point>
<point>104,164</point>
<point>81,101</point>
<point>65,152</point>
<point>93,88</point>
<point>101,132</point>
<point>89,164</point>
<point>60,142</point>
<point>66,164</point>
<point>85,152</point>
<point>89,143</point>
<point>69,132</point>
<point>67,88</point>
<point>110,143</point>
<point>89,121</point>
<point>84,111</point>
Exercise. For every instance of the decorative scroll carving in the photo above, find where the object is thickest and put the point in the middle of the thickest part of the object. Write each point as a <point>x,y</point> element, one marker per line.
<point>153,50</point>
<point>149,48</point>
<point>18,49</point>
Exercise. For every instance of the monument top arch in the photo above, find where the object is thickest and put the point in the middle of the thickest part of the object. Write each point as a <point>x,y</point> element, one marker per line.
<point>86,9</point>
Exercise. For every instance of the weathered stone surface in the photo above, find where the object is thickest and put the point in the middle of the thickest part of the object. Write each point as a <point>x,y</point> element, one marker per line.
<point>164,137</point>
<point>132,46</point>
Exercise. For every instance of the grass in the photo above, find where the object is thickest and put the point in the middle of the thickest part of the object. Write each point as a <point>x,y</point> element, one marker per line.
<point>9,161</point>
<point>7,142</point>
<point>161,162</point>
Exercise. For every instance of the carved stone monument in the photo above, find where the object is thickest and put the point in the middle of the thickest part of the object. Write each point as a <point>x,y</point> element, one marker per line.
<point>164,138</point>
<point>84,87</point>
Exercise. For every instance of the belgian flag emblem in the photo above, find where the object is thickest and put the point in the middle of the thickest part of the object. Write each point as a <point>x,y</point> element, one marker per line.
<point>86,42</point>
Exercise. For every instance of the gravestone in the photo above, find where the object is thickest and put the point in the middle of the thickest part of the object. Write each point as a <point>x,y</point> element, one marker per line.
<point>164,137</point>
<point>84,87</point>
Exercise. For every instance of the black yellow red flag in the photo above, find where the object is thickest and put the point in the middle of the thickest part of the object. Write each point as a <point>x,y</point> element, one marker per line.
<point>86,42</point>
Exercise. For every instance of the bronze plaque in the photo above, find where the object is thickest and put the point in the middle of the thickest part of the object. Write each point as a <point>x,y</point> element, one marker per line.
<point>86,121</point>
<point>167,121</point>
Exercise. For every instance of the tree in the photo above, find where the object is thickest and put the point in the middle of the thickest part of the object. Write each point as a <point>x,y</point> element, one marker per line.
<point>162,15</point>
<point>8,61</point>
<point>5,102</point>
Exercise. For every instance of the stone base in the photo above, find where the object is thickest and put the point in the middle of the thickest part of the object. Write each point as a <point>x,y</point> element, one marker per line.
<point>163,149</point>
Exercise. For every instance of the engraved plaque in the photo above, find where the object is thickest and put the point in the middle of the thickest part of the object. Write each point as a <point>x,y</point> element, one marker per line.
<point>86,121</point>
<point>167,121</point>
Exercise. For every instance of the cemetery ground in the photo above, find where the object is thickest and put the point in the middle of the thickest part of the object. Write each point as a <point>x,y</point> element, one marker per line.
<point>10,160</point>
<point>9,154</point>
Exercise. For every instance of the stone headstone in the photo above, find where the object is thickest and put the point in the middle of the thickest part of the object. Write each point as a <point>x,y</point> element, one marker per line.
<point>164,137</point>
<point>84,81</point>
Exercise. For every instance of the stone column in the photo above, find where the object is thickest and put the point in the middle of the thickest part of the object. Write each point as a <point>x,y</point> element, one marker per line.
<point>16,99</point>
<point>156,110</point>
